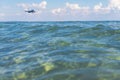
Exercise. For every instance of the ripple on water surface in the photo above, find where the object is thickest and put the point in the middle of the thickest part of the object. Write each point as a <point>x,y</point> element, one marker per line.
<point>60,50</point>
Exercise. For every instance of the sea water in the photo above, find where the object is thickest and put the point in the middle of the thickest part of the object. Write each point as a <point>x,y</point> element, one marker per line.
<point>60,50</point>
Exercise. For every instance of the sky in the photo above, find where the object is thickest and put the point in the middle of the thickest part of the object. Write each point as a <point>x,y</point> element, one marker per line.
<point>60,10</point>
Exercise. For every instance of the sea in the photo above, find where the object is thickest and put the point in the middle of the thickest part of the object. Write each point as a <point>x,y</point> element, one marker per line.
<point>66,50</point>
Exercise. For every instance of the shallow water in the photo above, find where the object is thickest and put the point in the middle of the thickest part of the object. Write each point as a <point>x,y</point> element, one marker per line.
<point>60,50</point>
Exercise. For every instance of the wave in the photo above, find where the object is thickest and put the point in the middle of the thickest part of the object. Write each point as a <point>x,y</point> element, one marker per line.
<point>59,50</point>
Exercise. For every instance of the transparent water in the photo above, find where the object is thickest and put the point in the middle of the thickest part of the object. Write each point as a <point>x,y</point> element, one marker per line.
<point>60,50</point>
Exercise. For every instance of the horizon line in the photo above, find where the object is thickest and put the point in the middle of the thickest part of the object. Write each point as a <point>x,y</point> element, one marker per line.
<point>67,21</point>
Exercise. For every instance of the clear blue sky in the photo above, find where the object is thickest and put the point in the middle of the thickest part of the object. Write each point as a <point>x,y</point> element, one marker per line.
<point>59,10</point>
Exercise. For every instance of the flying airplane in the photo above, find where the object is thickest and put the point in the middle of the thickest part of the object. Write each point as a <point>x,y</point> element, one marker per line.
<point>30,11</point>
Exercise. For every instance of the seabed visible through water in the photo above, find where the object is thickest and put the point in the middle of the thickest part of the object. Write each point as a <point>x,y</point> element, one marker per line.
<point>60,50</point>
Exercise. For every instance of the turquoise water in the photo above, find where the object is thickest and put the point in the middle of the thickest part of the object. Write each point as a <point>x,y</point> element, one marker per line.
<point>60,50</point>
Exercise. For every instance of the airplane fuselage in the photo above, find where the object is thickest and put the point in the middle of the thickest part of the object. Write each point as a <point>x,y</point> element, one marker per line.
<point>30,11</point>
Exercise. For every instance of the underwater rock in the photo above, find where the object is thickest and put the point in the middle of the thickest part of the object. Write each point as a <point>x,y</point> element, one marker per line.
<point>114,57</point>
<point>48,66</point>
<point>18,60</point>
<point>81,51</point>
<point>118,58</point>
<point>22,76</point>
<point>63,43</point>
<point>92,64</point>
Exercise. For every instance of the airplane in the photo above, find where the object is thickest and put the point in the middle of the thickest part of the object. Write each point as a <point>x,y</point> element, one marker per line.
<point>30,11</point>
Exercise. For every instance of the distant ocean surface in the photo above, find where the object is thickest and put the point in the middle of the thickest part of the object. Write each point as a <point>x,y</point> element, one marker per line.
<point>60,50</point>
